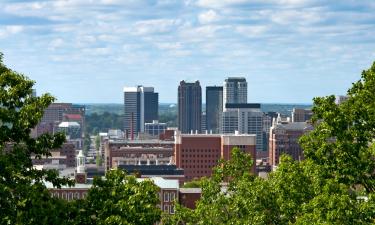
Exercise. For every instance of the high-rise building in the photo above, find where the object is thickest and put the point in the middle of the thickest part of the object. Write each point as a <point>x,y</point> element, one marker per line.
<point>301,115</point>
<point>189,107</point>
<point>234,90</point>
<point>141,105</point>
<point>214,108</point>
<point>247,118</point>
<point>283,139</point>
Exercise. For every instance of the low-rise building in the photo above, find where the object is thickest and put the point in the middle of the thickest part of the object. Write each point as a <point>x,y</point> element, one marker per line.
<point>197,154</point>
<point>284,136</point>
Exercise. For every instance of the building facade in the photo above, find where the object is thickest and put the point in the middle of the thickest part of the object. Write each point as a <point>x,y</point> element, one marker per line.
<point>246,118</point>
<point>234,90</point>
<point>214,108</point>
<point>198,154</point>
<point>189,107</point>
<point>56,113</point>
<point>141,105</point>
<point>284,136</point>
<point>301,115</point>
<point>137,152</point>
<point>155,128</point>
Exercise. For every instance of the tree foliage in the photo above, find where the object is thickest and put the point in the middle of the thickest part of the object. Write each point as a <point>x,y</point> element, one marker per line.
<point>119,199</point>
<point>23,197</point>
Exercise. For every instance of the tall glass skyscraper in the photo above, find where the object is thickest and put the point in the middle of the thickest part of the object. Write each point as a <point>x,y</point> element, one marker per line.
<point>189,107</point>
<point>214,108</point>
<point>141,105</point>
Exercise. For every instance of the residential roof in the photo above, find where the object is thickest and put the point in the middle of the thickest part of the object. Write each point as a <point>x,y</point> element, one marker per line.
<point>163,183</point>
<point>73,116</point>
<point>69,124</point>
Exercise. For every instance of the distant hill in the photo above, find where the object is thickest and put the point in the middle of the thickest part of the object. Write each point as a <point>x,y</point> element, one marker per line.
<point>171,108</point>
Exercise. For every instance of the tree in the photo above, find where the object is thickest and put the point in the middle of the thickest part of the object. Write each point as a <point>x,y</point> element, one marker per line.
<point>119,199</point>
<point>21,186</point>
<point>342,141</point>
<point>97,148</point>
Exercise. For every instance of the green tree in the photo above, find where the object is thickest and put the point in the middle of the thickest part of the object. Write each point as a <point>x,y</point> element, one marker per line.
<point>342,141</point>
<point>86,143</point>
<point>97,148</point>
<point>119,199</point>
<point>23,197</point>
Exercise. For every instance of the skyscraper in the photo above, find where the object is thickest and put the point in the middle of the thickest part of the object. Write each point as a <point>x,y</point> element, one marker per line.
<point>214,108</point>
<point>140,107</point>
<point>189,107</point>
<point>235,90</point>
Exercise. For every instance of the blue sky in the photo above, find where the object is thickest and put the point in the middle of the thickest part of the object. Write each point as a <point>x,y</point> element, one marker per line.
<point>85,51</point>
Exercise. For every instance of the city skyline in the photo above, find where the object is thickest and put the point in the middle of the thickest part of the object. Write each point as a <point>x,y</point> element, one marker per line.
<point>289,51</point>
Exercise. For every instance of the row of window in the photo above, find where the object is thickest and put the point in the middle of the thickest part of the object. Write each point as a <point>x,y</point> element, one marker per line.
<point>198,166</point>
<point>200,150</point>
<point>169,196</point>
<point>69,195</point>
<point>202,161</point>
<point>200,171</point>
<point>206,156</point>
<point>169,209</point>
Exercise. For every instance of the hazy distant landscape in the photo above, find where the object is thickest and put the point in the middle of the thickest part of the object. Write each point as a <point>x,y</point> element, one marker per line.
<point>171,108</point>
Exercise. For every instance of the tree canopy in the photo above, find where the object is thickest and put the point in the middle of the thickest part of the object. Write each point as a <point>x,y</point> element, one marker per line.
<point>23,197</point>
<point>119,199</point>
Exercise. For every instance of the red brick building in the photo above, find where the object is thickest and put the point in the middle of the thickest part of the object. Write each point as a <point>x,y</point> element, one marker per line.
<point>137,152</point>
<point>197,154</point>
<point>284,136</point>
<point>66,155</point>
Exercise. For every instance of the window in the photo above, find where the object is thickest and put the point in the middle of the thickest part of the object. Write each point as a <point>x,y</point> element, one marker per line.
<point>77,195</point>
<point>166,197</point>
<point>171,209</point>
<point>166,208</point>
<point>173,196</point>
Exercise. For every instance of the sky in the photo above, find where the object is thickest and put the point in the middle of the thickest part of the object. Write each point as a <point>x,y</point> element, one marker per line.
<point>86,51</point>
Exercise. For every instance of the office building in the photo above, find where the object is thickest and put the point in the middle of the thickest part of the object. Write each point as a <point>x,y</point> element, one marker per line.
<point>189,107</point>
<point>246,118</point>
<point>284,136</point>
<point>197,154</point>
<point>234,90</point>
<point>214,108</point>
<point>301,115</point>
<point>141,105</point>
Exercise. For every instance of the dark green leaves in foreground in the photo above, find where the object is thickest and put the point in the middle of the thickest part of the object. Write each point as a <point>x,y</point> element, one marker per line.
<point>119,199</point>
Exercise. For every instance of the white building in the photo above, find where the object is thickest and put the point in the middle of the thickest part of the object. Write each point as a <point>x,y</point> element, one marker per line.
<point>245,118</point>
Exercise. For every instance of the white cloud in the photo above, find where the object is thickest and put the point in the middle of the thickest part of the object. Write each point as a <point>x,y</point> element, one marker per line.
<point>209,16</point>
<point>10,30</point>
<point>219,3</point>
<point>154,26</point>
<point>297,17</point>
<point>169,46</point>
<point>252,31</point>
<point>56,43</point>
